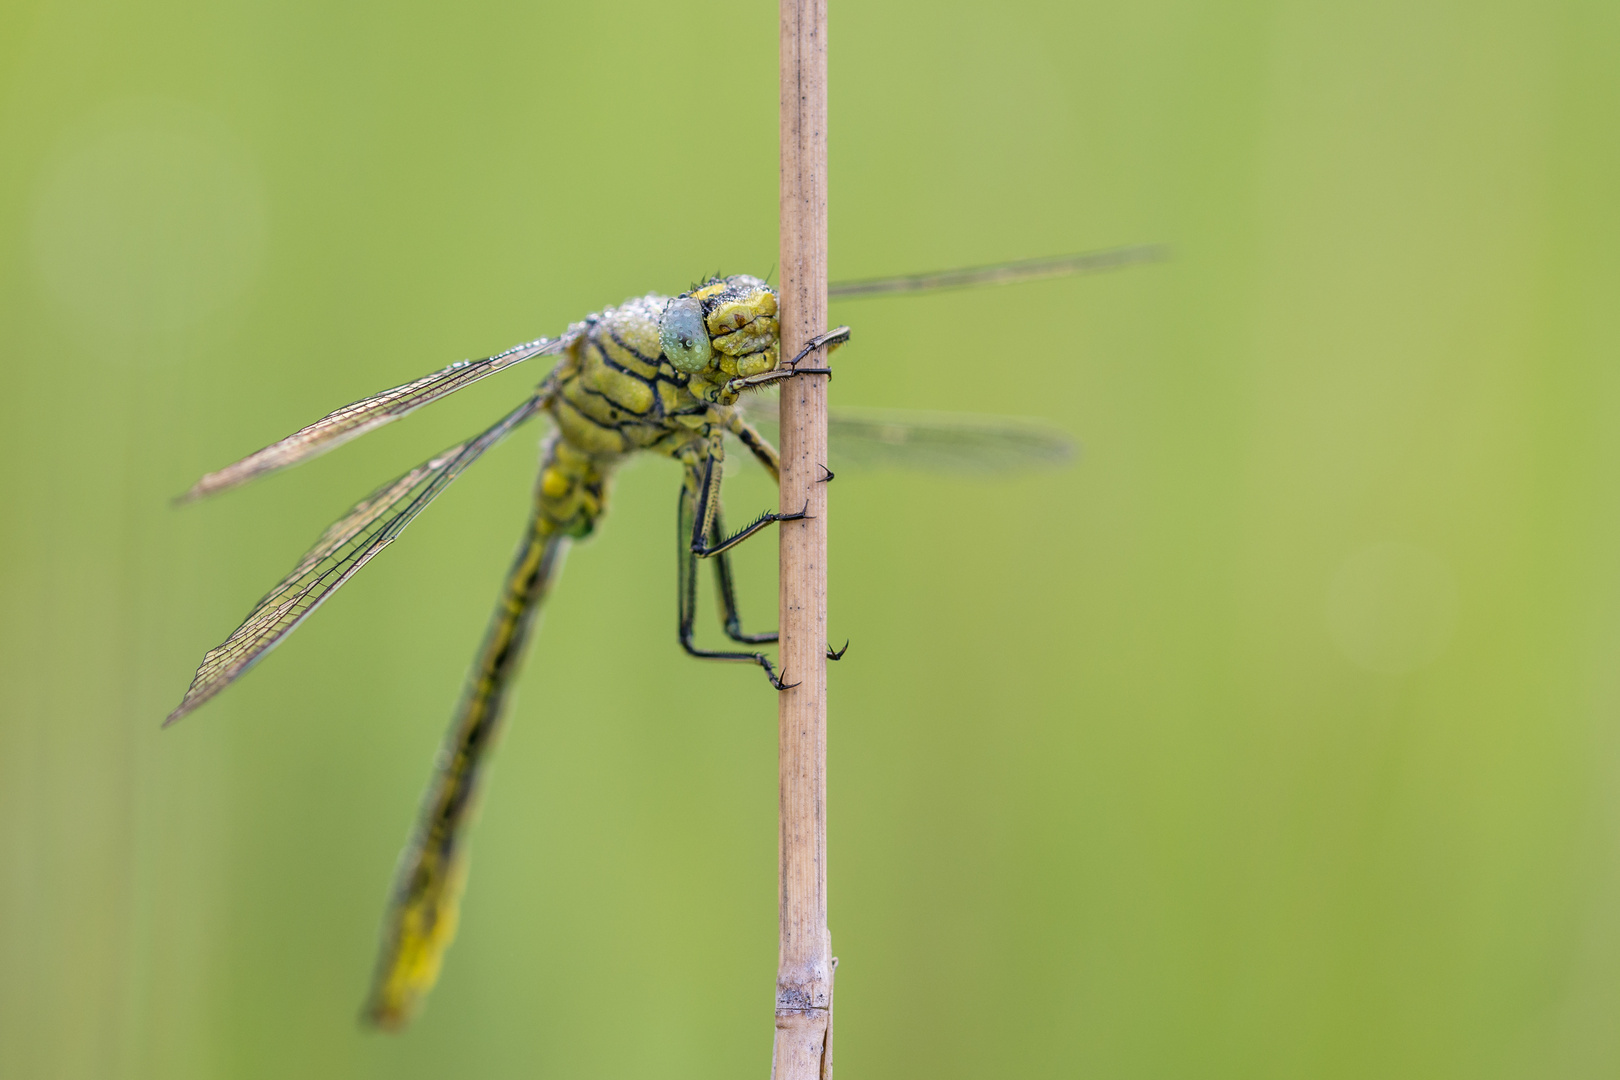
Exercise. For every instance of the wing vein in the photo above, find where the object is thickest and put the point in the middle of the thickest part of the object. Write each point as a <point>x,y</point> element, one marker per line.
<point>360,417</point>
<point>347,545</point>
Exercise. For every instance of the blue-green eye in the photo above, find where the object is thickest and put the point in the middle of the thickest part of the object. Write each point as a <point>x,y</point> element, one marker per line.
<point>684,337</point>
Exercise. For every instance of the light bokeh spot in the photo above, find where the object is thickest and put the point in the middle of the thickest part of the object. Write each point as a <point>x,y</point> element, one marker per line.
<point>147,219</point>
<point>1392,608</point>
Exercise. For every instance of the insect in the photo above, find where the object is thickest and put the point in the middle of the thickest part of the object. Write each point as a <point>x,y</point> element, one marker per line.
<point>656,373</point>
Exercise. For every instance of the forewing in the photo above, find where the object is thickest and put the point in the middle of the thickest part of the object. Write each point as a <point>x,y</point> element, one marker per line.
<point>355,420</point>
<point>944,442</point>
<point>1087,262</point>
<point>342,550</point>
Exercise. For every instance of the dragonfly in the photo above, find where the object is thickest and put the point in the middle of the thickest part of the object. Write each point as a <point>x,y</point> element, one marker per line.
<point>665,374</point>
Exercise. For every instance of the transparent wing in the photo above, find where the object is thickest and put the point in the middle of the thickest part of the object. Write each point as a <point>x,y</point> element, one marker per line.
<point>345,547</point>
<point>421,918</point>
<point>944,442</point>
<point>1089,262</point>
<point>354,420</point>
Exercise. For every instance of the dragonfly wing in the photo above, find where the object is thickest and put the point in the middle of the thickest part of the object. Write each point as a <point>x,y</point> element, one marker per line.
<point>354,420</point>
<point>943,442</point>
<point>1087,262</point>
<point>347,545</point>
<point>427,886</point>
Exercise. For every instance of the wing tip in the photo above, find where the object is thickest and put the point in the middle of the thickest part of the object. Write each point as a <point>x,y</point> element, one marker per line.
<point>190,703</point>
<point>212,484</point>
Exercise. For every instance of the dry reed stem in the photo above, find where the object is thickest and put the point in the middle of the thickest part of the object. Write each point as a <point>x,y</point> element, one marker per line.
<point>804,977</point>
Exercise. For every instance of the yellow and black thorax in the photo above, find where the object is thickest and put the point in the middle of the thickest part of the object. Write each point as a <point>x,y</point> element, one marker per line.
<point>650,374</point>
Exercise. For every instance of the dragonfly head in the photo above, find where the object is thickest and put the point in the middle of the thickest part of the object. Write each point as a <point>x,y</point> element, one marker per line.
<point>727,324</point>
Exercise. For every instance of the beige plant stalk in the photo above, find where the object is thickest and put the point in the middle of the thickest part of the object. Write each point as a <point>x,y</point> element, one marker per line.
<point>804,977</point>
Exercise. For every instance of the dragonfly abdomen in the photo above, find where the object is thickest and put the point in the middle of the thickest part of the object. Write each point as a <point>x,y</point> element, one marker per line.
<point>572,491</point>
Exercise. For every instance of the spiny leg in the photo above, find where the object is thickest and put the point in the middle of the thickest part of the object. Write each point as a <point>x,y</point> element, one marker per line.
<point>686,580</point>
<point>761,447</point>
<point>757,444</point>
<point>421,920</point>
<point>731,619</point>
<point>766,455</point>
<point>725,587</point>
<point>829,341</point>
<point>706,478</point>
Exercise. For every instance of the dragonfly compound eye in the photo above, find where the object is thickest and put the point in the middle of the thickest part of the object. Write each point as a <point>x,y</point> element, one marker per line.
<point>684,337</point>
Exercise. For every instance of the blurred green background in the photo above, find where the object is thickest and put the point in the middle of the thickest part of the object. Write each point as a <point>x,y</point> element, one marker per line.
<point>1276,738</point>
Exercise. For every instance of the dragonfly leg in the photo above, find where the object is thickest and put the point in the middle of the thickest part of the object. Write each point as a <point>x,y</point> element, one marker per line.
<point>701,532</point>
<point>757,444</point>
<point>706,479</point>
<point>689,521</point>
<point>725,586</point>
<point>731,618</point>
<point>829,477</point>
<point>704,551</point>
<point>829,340</point>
